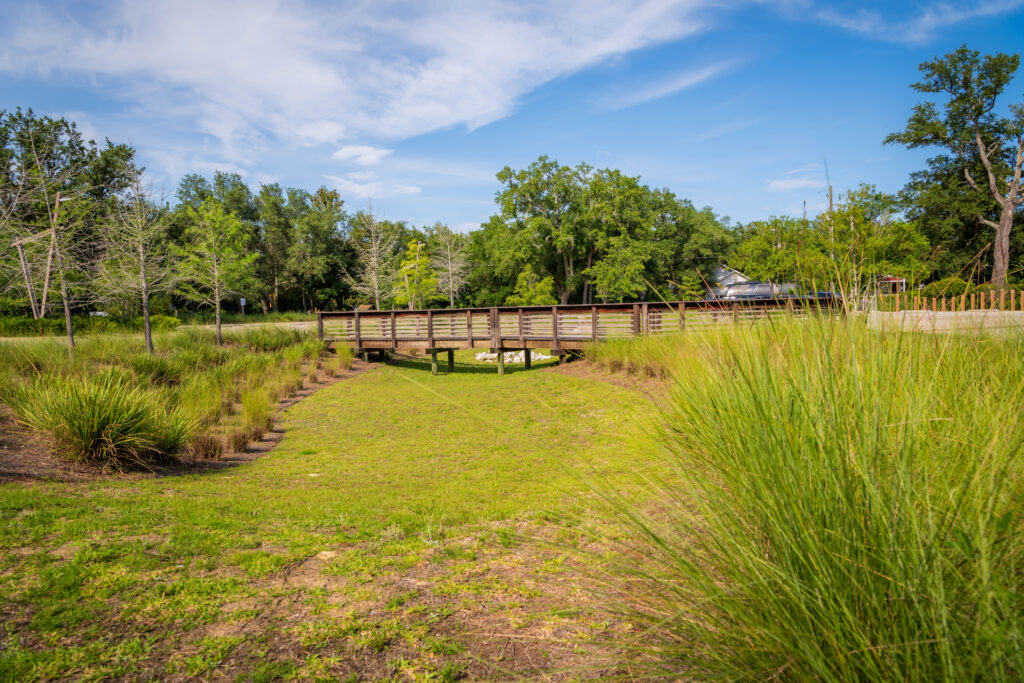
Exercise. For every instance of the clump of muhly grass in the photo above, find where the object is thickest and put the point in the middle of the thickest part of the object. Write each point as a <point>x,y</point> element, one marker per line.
<point>845,505</point>
<point>258,411</point>
<point>205,447</point>
<point>103,418</point>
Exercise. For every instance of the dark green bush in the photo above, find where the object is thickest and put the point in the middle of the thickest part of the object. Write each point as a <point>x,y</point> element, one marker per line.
<point>162,323</point>
<point>947,287</point>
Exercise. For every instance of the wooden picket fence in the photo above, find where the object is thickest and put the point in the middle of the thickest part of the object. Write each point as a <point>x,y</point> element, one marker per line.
<point>993,300</point>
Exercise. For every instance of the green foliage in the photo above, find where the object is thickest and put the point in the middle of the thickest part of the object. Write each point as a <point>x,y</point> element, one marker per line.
<point>531,290</point>
<point>948,287</point>
<point>983,153</point>
<point>580,224</point>
<point>103,418</point>
<point>161,323</point>
<point>690,288</point>
<point>840,509</point>
<point>846,250</point>
<point>620,274</point>
<point>216,261</point>
<point>417,281</point>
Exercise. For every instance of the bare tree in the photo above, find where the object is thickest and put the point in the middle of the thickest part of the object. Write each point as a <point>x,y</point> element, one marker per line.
<point>449,261</point>
<point>376,261</point>
<point>136,257</point>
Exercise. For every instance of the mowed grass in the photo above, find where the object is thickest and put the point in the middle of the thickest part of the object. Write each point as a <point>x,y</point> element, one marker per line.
<point>273,569</point>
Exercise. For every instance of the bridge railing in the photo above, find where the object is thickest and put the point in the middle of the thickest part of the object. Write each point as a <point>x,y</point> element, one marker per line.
<point>557,327</point>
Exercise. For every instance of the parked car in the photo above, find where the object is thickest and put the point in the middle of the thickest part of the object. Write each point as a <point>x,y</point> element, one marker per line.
<point>746,291</point>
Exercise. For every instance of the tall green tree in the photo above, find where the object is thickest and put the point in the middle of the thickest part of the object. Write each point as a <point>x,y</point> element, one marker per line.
<point>567,222</point>
<point>532,290</point>
<point>975,131</point>
<point>417,281</point>
<point>541,206</point>
<point>215,262</point>
<point>620,274</point>
<point>316,255</point>
<point>276,236</point>
<point>845,249</point>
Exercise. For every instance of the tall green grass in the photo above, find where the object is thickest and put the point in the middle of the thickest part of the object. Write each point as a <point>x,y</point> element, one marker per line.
<point>105,418</point>
<point>845,505</point>
<point>116,405</point>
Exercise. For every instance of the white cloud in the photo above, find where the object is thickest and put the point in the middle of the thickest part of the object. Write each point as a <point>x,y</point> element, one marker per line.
<point>791,184</point>
<point>359,186</point>
<point>920,28</point>
<point>668,86</point>
<point>251,72</point>
<point>365,155</point>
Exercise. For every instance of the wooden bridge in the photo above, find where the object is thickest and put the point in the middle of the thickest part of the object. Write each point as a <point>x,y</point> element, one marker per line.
<point>562,329</point>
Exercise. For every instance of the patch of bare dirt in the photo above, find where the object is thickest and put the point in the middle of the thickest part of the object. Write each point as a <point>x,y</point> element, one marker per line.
<point>652,387</point>
<point>25,458</point>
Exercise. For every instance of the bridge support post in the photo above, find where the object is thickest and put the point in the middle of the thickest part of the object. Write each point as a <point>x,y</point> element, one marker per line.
<point>526,358</point>
<point>501,361</point>
<point>433,361</point>
<point>451,361</point>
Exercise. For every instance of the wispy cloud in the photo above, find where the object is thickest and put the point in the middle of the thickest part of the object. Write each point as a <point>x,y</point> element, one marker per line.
<point>253,73</point>
<point>365,155</point>
<point>919,28</point>
<point>366,185</point>
<point>792,184</point>
<point>664,87</point>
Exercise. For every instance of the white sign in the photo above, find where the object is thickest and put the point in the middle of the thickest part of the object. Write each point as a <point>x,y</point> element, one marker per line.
<point>243,300</point>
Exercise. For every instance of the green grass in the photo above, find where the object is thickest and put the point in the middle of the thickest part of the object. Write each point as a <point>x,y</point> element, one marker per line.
<point>390,473</point>
<point>115,405</point>
<point>105,418</point>
<point>846,505</point>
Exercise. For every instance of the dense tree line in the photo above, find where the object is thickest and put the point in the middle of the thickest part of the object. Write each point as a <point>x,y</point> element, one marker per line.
<point>79,229</point>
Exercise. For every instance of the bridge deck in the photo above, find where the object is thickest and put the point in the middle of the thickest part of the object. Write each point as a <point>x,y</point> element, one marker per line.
<point>559,328</point>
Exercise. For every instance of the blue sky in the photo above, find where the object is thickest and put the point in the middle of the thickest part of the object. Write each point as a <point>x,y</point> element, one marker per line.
<point>412,107</point>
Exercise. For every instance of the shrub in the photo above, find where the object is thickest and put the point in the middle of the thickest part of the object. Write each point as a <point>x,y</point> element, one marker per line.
<point>161,323</point>
<point>155,369</point>
<point>258,410</point>
<point>839,508</point>
<point>947,287</point>
<point>239,441</point>
<point>103,418</point>
<point>205,447</point>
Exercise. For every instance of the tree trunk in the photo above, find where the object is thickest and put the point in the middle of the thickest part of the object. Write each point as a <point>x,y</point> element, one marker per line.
<point>69,328</point>
<point>220,337</point>
<point>144,289</point>
<point>275,293</point>
<point>451,301</point>
<point>1001,246</point>
<point>216,301</point>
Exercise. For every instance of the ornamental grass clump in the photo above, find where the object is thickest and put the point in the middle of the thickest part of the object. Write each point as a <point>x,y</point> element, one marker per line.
<point>844,505</point>
<point>104,418</point>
